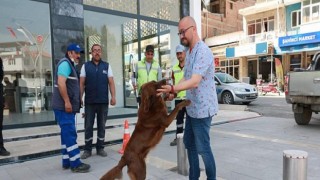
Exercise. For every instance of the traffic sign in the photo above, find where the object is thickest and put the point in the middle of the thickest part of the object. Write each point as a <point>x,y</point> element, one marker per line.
<point>39,39</point>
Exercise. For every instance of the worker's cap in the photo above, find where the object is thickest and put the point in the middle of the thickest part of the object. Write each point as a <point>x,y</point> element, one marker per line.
<point>150,48</point>
<point>75,47</point>
<point>180,48</point>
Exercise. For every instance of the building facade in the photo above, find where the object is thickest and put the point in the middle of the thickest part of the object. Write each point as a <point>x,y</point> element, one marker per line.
<point>34,35</point>
<point>277,37</point>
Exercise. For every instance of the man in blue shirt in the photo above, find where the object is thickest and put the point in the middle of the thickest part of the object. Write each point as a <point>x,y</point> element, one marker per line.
<point>200,85</point>
<point>65,104</point>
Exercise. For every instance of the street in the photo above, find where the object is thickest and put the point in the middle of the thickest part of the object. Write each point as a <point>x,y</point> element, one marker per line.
<point>244,148</point>
<point>271,105</point>
<point>253,149</point>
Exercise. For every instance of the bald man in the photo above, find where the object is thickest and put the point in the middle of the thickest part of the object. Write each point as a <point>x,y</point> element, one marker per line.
<point>201,90</point>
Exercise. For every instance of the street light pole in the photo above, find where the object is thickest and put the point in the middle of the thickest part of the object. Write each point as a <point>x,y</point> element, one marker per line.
<point>39,46</point>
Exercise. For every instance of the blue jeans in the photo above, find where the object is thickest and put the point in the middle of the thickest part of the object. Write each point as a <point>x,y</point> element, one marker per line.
<point>197,141</point>
<point>91,110</point>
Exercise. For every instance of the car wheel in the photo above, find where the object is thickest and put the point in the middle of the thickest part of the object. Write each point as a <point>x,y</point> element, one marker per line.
<point>227,98</point>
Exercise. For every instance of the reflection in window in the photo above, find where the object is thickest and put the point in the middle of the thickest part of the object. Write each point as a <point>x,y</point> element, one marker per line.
<point>25,48</point>
<point>129,6</point>
<point>118,37</point>
<point>162,9</point>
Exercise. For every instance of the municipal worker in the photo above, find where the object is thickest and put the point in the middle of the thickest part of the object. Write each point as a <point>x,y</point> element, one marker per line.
<point>65,104</point>
<point>177,75</point>
<point>146,70</point>
<point>96,80</point>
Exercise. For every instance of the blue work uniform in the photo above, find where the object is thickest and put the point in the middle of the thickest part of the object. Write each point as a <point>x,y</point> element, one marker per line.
<point>69,147</point>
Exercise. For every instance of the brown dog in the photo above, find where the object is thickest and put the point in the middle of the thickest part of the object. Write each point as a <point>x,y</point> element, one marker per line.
<point>153,119</point>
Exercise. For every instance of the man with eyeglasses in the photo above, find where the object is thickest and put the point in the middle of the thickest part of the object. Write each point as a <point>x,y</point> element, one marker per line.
<point>200,85</point>
<point>96,80</point>
<point>65,104</point>
<point>146,70</point>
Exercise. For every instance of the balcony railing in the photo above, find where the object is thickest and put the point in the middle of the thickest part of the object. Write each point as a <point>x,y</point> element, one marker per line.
<point>261,37</point>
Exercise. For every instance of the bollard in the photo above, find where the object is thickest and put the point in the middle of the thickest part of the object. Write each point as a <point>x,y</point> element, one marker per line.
<point>295,165</point>
<point>183,164</point>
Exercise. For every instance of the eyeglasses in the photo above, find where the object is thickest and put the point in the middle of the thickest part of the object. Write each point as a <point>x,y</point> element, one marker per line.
<point>184,31</point>
<point>96,50</point>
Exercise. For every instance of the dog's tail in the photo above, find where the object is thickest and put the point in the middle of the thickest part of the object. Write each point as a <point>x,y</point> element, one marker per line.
<point>116,172</point>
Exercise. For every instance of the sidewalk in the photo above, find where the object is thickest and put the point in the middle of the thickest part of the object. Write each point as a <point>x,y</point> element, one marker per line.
<point>33,143</point>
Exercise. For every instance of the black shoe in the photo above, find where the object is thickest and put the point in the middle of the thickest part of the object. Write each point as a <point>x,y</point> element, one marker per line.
<point>65,167</point>
<point>174,142</point>
<point>82,168</point>
<point>85,154</point>
<point>4,152</point>
<point>102,153</point>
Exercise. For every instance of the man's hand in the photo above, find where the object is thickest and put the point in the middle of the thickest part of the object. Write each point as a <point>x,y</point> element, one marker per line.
<point>113,101</point>
<point>81,103</point>
<point>164,89</point>
<point>68,107</point>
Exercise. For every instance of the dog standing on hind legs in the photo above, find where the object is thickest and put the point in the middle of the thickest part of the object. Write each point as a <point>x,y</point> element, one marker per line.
<point>153,119</point>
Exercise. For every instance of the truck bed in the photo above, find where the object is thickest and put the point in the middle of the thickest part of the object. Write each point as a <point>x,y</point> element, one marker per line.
<point>305,83</point>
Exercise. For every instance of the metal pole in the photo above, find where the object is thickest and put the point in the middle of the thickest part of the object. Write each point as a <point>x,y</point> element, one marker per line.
<point>183,164</point>
<point>295,165</point>
<point>271,68</point>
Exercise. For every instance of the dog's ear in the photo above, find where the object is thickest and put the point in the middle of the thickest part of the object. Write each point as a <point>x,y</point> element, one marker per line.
<point>146,103</point>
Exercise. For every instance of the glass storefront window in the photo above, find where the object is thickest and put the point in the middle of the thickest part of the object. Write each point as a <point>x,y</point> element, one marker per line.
<point>119,39</point>
<point>295,61</point>
<point>162,9</point>
<point>230,66</point>
<point>129,6</point>
<point>25,48</point>
<point>113,33</point>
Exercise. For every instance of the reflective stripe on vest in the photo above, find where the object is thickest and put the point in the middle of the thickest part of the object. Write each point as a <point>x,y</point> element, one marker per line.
<point>178,75</point>
<point>144,76</point>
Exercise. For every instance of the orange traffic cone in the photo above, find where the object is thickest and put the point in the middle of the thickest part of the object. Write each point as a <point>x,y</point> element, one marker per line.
<point>126,137</point>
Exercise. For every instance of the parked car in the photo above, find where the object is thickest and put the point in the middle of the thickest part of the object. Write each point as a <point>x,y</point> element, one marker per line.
<point>231,91</point>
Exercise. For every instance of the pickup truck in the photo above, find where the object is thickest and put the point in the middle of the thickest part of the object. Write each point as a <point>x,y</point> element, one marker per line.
<point>302,90</point>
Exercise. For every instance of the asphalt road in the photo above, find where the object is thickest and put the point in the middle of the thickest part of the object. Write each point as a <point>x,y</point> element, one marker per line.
<point>272,106</point>
<point>275,106</point>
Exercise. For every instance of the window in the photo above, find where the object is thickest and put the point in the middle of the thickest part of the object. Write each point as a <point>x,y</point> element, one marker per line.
<point>310,11</point>
<point>230,66</point>
<point>295,18</point>
<point>258,26</point>
<point>231,5</point>
<point>271,23</point>
<point>26,60</point>
<point>261,25</point>
<point>251,28</point>
<point>295,61</point>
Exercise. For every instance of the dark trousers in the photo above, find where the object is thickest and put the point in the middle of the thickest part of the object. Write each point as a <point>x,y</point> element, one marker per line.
<point>139,100</point>
<point>1,115</point>
<point>180,117</point>
<point>101,112</point>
